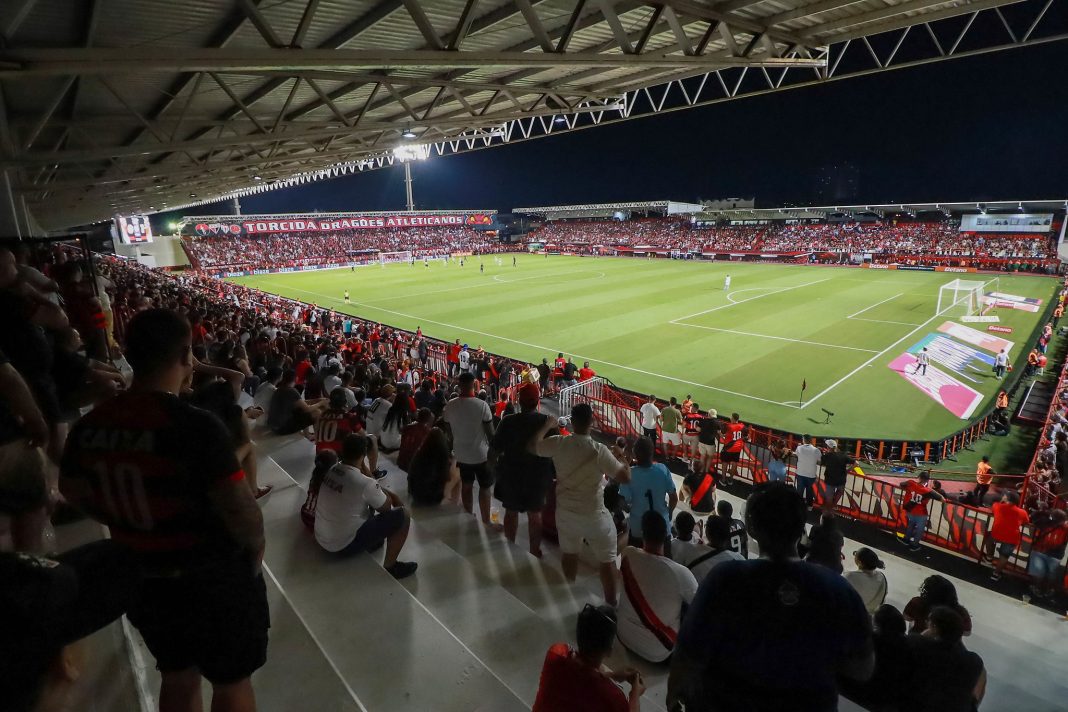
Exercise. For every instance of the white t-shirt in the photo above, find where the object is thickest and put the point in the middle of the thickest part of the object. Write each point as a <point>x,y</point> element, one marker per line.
<point>376,415</point>
<point>342,507</point>
<point>649,413</point>
<point>466,415</point>
<point>666,587</point>
<point>683,552</point>
<point>464,357</point>
<point>581,464</point>
<point>808,458</point>
<point>702,569</point>
<point>263,395</point>
<point>871,585</point>
<point>330,383</point>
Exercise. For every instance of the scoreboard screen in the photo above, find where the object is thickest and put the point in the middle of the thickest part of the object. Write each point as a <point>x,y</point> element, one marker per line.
<point>133,229</point>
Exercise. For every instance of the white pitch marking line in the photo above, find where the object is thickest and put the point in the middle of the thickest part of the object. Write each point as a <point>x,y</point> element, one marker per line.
<point>537,346</point>
<point>778,338</point>
<point>849,375</point>
<point>874,305</point>
<point>883,321</point>
<point>730,296</point>
<point>743,301</point>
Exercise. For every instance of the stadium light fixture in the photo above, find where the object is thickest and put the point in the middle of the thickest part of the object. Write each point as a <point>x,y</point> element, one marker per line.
<point>408,133</point>
<point>257,178</point>
<point>560,120</point>
<point>173,226</point>
<point>411,153</point>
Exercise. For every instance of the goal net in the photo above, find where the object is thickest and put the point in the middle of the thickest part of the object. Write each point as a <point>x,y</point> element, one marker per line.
<point>963,297</point>
<point>404,256</point>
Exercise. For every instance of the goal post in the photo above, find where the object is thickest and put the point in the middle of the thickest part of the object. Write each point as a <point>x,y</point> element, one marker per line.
<point>961,297</point>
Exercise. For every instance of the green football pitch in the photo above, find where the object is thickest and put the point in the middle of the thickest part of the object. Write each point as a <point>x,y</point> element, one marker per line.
<point>670,327</point>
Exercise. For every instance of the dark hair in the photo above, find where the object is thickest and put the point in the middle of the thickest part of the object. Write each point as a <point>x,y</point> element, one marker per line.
<point>938,591</point>
<point>466,380</point>
<point>274,373</point>
<point>775,516</point>
<point>581,415</point>
<point>324,460</point>
<point>889,621</point>
<point>156,339</point>
<point>948,621</point>
<point>398,413</point>
<point>353,447</point>
<point>654,528</point>
<point>724,509</point>
<point>424,415</point>
<point>428,470</point>
<point>684,524</point>
<point>596,629</point>
<point>643,451</point>
<point>289,376</point>
<point>869,559</point>
<point>717,530</point>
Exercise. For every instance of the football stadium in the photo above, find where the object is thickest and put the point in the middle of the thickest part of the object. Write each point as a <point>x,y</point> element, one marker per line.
<point>389,355</point>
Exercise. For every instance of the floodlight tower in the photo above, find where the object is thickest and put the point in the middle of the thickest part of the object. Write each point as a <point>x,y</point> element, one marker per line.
<point>406,154</point>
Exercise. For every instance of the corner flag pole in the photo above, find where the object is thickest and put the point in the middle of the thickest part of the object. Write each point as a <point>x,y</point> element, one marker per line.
<point>804,385</point>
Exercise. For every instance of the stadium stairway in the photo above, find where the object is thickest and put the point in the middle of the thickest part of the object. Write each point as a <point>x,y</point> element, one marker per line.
<point>470,629</point>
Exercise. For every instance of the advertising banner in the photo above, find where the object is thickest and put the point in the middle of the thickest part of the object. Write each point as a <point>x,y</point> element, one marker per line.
<point>951,394</point>
<point>268,226</point>
<point>1000,329</point>
<point>993,344</point>
<point>1015,301</point>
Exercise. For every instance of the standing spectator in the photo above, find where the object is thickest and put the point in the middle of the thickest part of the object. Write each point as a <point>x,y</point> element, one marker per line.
<point>578,680</point>
<point>934,591</point>
<point>732,652</point>
<point>699,491</point>
<point>835,463</point>
<point>523,478</point>
<point>650,489</point>
<point>1047,551</point>
<point>718,534</point>
<point>1005,532</point>
<point>670,420</point>
<point>733,442</point>
<point>195,527</point>
<point>656,592</point>
<point>808,460</point>
<point>452,358</point>
<point>708,441</point>
<point>691,433</point>
<point>432,474</point>
<point>868,580</point>
<point>471,421</point>
<point>946,676</point>
<point>581,465</point>
<point>650,417</point>
<point>1001,363</point>
<point>586,373</point>
<point>984,475</point>
<point>23,488</point>
<point>342,524</point>
<point>915,494</point>
<point>543,376</point>
<point>777,462</point>
<point>738,536</point>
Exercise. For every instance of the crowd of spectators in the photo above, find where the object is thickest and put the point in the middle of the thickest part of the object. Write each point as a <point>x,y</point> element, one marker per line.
<point>907,240</point>
<point>232,253</point>
<point>207,362</point>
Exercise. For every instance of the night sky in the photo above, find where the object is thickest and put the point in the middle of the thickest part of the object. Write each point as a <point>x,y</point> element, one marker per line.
<point>983,128</point>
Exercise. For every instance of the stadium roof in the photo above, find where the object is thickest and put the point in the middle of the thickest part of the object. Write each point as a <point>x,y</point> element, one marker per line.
<point>126,106</point>
<point>555,212</point>
<point>822,211</point>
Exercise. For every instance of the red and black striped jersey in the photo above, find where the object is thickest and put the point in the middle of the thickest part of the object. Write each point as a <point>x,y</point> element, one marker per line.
<point>332,428</point>
<point>149,461</point>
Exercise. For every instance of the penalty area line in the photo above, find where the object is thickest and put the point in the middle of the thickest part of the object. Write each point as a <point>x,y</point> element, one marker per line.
<point>535,346</point>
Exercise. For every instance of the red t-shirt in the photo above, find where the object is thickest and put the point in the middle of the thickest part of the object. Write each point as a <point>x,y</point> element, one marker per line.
<point>332,428</point>
<point>453,354</point>
<point>301,371</point>
<point>586,374</point>
<point>568,685</point>
<point>1008,518</point>
<point>917,494</point>
<point>732,438</point>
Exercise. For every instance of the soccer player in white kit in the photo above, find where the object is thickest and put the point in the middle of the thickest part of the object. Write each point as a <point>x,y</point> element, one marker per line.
<point>727,282</point>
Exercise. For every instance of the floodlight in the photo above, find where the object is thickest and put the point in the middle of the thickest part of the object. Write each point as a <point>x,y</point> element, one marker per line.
<point>411,153</point>
<point>408,133</point>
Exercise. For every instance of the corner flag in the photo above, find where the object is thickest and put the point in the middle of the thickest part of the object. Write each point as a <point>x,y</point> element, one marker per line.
<point>804,385</point>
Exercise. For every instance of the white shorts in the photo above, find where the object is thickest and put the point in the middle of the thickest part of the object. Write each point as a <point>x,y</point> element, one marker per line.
<point>672,438</point>
<point>706,449</point>
<point>597,530</point>
<point>691,442</point>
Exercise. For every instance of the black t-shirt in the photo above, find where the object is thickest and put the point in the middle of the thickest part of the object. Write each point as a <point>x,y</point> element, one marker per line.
<point>770,636</point>
<point>543,372</point>
<point>511,439</point>
<point>150,461</point>
<point>834,467</point>
<point>569,370</point>
<point>942,676</point>
<point>709,431</point>
<point>280,411</point>
<point>707,502</point>
<point>739,539</point>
